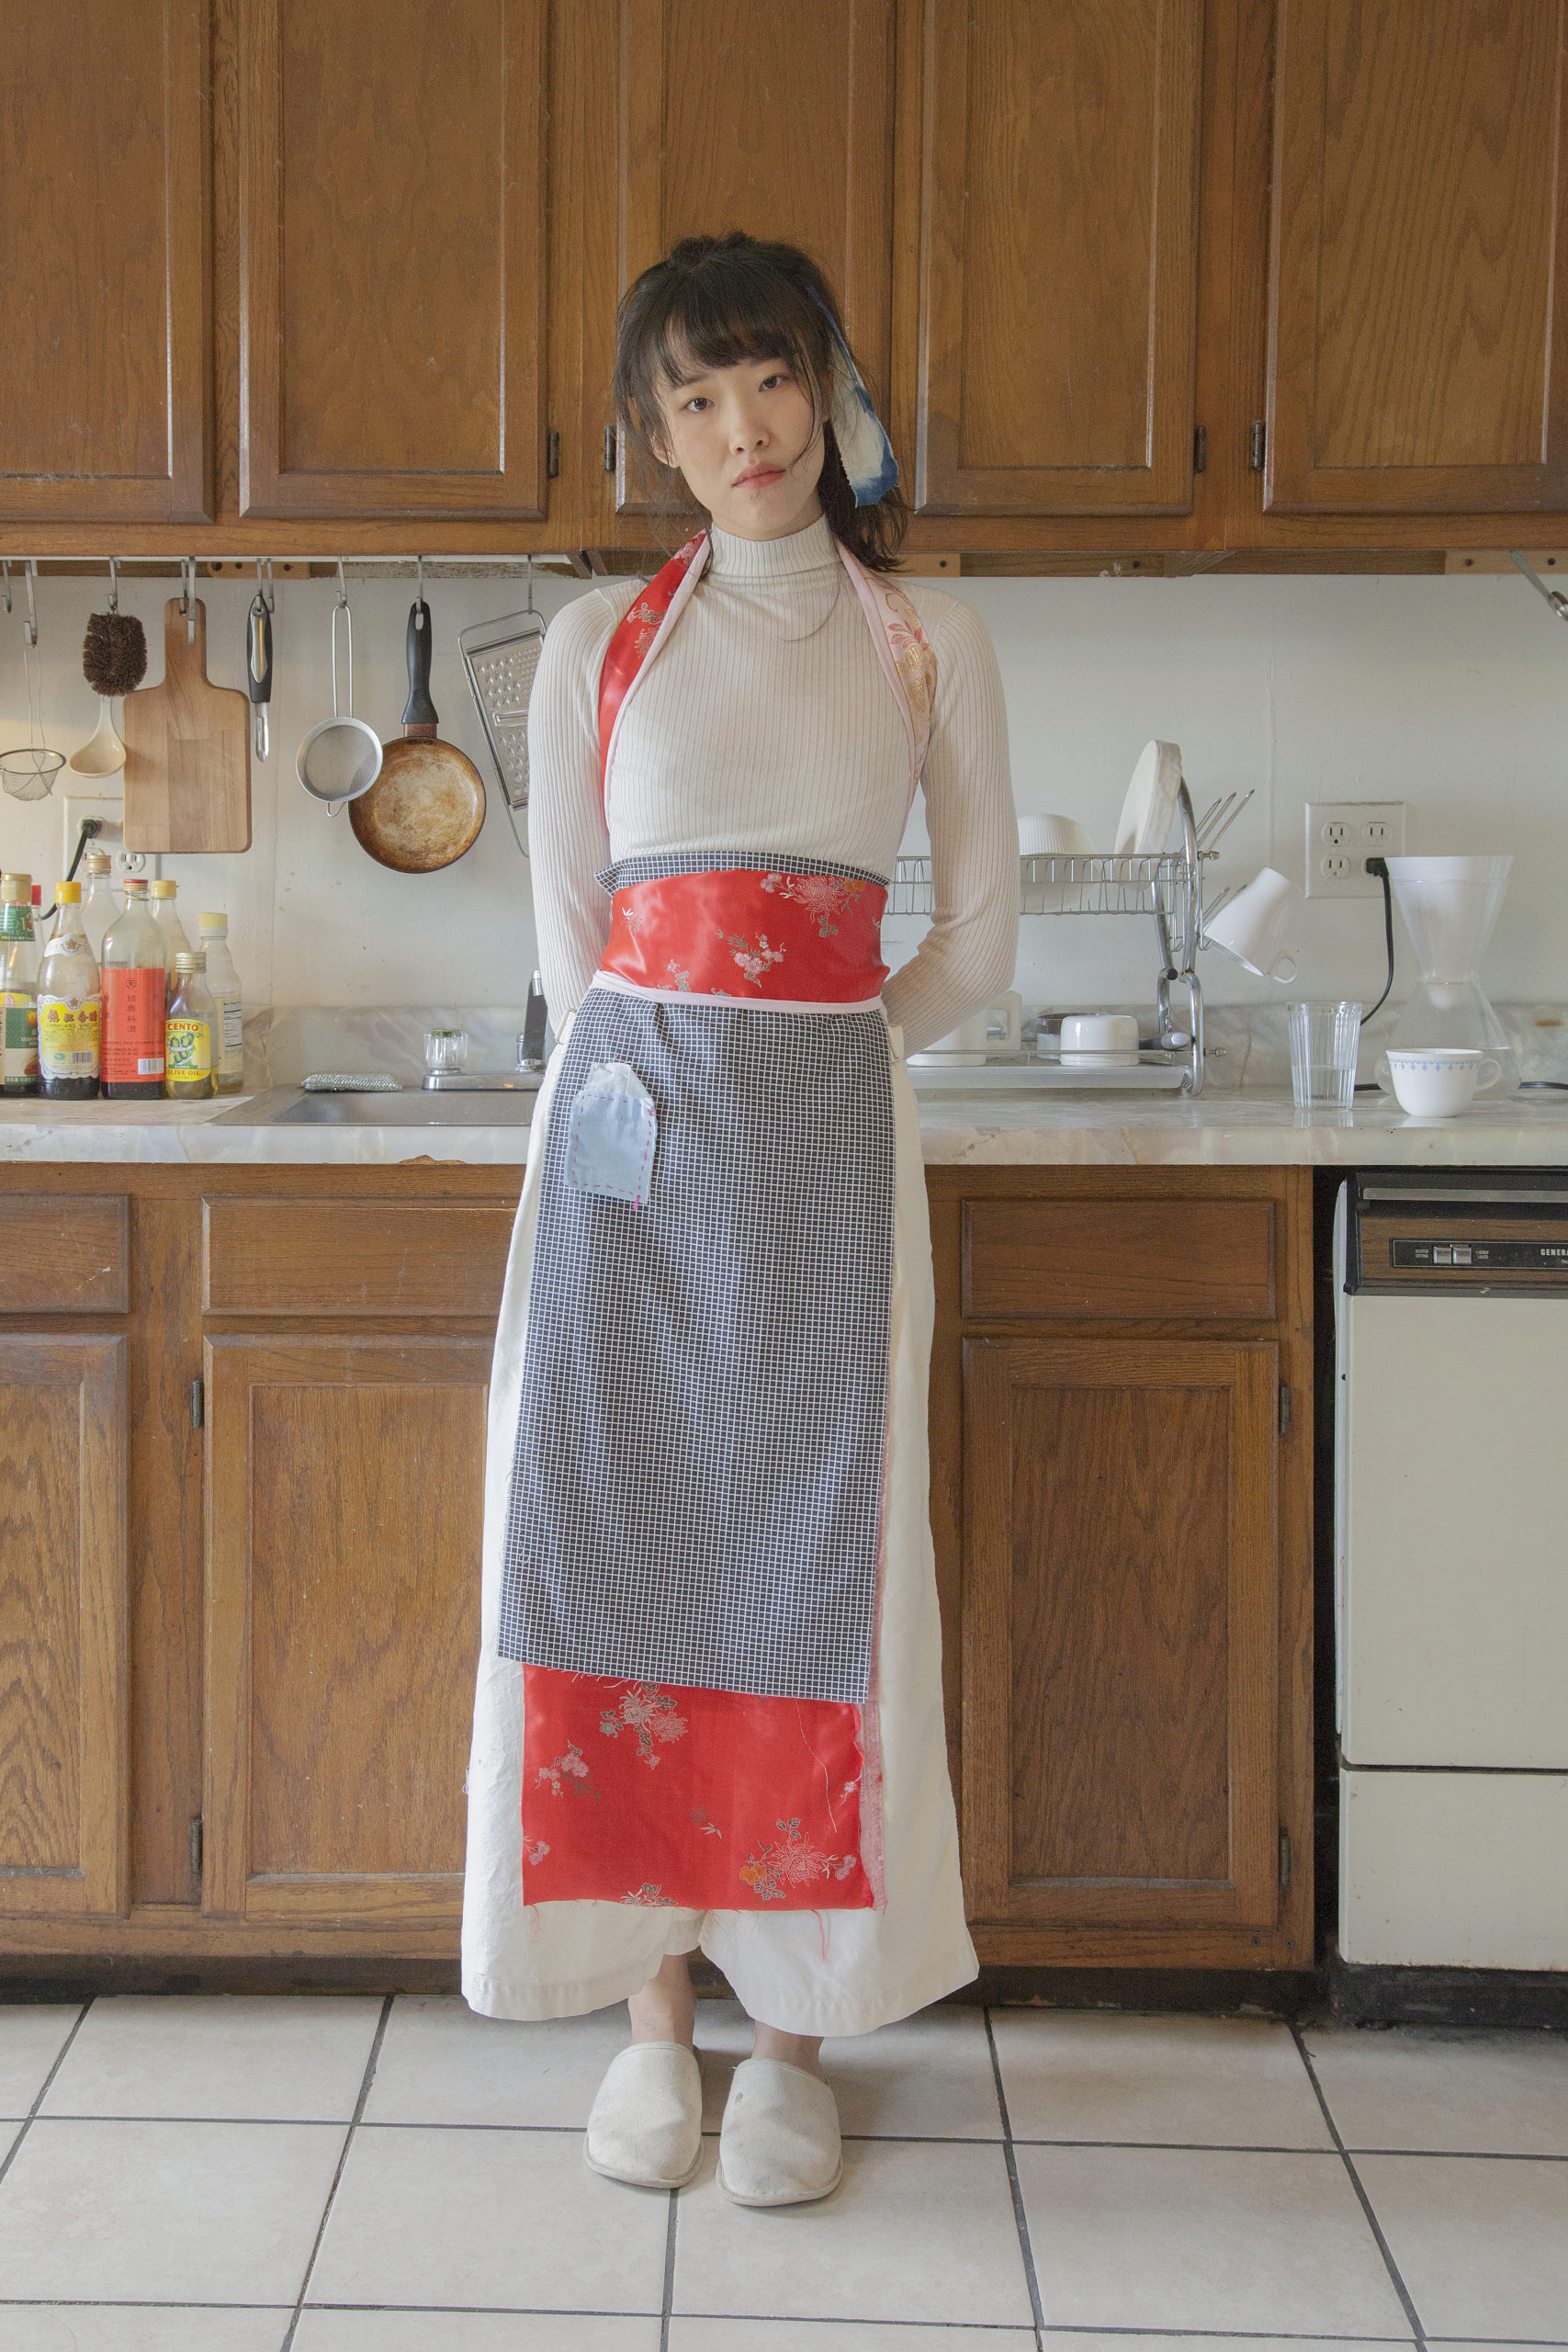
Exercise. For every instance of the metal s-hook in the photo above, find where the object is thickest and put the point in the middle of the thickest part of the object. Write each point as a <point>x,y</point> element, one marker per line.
<point>29,572</point>
<point>187,595</point>
<point>419,592</point>
<point>114,583</point>
<point>265,596</point>
<point>5,583</point>
<point>342,584</point>
<point>529,606</point>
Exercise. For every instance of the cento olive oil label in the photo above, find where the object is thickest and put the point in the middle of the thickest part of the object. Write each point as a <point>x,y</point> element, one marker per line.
<point>20,1018</point>
<point>68,1036</point>
<point>188,1046</point>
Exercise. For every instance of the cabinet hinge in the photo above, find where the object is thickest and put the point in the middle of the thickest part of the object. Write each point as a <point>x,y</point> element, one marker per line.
<point>1259,445</point>
<point>552,454</point>
<point>196,1845</point>
<point>198,1404</point>
<point>1284,1861</point>
<point>1200,450</point>
<point>1284,1411</point>
<point>609,448</point>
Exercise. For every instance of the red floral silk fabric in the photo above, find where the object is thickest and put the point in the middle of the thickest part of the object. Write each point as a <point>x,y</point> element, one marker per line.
<point>701,1799</point>
<point>808,938</point>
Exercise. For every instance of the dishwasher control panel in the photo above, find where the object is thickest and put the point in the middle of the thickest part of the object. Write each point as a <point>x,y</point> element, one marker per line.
<point>1496,1257</point>
<point>1477,1231</point>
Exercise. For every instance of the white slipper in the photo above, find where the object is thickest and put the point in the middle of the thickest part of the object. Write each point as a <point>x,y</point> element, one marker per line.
<point>645,2126</point>
<point>780,2142</point>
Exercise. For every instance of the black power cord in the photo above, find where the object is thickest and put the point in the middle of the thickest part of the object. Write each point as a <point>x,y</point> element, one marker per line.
<point>1379,865</point>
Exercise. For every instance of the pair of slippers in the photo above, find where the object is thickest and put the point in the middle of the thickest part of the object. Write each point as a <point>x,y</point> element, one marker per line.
<point>779,2143</point>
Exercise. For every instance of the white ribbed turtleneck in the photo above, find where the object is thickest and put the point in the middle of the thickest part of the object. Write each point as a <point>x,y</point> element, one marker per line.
<point>766,724</point>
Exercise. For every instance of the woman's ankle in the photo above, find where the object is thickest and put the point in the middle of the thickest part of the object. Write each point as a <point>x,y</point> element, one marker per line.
<point>802,2049</point>
<point>666,2008</point>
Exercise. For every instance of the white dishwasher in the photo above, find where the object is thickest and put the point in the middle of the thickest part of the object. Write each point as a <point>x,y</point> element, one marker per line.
<point>1451,1568</point>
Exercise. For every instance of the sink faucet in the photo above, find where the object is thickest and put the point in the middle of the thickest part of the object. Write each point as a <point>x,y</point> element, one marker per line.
<point>531,1042</point>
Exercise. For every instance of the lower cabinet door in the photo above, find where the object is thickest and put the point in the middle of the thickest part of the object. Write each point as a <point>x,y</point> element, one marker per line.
<point>1120,1742</point>
<point>65,1702</point>
<point>346,1488</point>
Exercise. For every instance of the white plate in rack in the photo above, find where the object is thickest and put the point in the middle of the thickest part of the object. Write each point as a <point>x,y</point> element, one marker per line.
<point>1150,805</point>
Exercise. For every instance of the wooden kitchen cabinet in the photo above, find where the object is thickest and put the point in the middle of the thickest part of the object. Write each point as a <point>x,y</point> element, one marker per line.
<point>1121,1426</point>
<point>242,1425</point>
<point>1418,324</point>
<point>345,1506</point>
<point>63,1684</point>
<point>705,116</point>
<point>391,171</point>
<point>106,360</point>
<point>1172,276</point>
<point>1058,296</point>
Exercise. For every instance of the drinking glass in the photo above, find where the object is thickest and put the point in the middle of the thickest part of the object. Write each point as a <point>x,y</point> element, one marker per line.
<point>1323,1038</point>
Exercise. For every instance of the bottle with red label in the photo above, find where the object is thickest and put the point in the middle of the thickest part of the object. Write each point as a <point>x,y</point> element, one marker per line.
<point>133,999</point>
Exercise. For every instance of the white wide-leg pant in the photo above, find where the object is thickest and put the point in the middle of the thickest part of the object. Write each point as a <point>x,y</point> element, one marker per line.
<point>805,1972</point>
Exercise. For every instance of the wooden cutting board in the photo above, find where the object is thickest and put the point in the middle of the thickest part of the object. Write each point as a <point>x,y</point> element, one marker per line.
<point>188,752</point>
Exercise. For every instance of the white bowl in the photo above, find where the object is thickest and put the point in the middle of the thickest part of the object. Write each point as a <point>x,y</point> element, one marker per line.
<point>1054,836</point>
<point>1112,1034</point>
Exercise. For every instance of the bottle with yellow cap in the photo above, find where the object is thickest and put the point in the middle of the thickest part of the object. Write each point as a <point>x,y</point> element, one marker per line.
<point>68,1006</point>
<point>169,924</point>
<point>18,984</point>
<point>223,984</point>
<point>188,1027</point>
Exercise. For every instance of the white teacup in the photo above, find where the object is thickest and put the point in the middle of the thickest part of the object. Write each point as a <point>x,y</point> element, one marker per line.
<point>1435,1083</point>
<point>1255,924</point>
<point>975,1039</point>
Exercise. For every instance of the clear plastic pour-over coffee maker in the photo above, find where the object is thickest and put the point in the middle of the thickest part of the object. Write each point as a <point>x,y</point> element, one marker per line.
<point>1450,904</point>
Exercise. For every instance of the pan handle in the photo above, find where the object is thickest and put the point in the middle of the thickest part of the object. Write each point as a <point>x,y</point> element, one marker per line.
<point>419,712</point>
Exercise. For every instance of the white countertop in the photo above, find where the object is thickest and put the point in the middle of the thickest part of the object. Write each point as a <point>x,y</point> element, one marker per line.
<point>1245,1128</point>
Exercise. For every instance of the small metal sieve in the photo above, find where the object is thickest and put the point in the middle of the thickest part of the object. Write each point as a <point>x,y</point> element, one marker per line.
<point>341,757</point>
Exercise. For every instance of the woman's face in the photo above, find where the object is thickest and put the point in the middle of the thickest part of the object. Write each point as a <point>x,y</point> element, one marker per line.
<point>749,444</point>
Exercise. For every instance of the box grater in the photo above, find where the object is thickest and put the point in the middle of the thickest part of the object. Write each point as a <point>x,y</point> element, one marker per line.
<point>500,658</point>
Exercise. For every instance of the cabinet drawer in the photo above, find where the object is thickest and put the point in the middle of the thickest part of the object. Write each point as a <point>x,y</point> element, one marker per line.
<point>354,1257</point>
<point>64,1253</point>
<point>1208,1261</point>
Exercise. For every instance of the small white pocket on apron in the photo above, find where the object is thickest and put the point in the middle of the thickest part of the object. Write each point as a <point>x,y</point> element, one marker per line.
<point>610,1134</point>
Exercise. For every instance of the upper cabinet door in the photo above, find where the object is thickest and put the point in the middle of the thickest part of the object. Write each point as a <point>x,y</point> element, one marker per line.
<point>1058,270</point>
<point>393,196</point>
<point>1419,328</point>
<point>778,121</point>
<point>105,362</point>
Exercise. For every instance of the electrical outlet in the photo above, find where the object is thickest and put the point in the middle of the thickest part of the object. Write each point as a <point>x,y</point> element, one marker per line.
<point>1340,837</point>
<point>110,836</point>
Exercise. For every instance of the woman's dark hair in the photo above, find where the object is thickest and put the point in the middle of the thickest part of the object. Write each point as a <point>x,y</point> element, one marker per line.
<point>718,301</point>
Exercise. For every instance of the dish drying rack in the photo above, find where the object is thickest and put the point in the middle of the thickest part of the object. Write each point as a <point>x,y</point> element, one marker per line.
<point>1167,886</point>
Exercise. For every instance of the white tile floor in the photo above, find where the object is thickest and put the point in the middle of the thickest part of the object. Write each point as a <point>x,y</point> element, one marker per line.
<point>251,2175</point>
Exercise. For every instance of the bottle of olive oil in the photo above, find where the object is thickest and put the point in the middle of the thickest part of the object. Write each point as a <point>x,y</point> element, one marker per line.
<point>188,1027</point>
<point>18,984</point>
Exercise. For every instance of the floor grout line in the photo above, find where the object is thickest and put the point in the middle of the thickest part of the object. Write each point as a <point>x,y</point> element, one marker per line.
<point>668,2308</point>
<point>27,2121</point>
<point>1021,2219</point>
<point>369,2076</point>
<point>1400,2289</point>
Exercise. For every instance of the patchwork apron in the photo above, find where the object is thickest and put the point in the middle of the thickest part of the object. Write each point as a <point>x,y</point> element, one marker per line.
<point>695,1514</point>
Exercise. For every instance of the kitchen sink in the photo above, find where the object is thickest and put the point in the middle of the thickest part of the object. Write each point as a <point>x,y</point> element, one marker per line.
<point>288,1106</point>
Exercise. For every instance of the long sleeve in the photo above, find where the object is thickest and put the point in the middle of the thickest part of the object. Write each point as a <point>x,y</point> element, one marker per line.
<point>967,956</point>
<point>568,838</point>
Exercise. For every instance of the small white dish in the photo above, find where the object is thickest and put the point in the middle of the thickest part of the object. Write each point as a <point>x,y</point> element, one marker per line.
<point>1150,805</point>
<point>1107,1036</point>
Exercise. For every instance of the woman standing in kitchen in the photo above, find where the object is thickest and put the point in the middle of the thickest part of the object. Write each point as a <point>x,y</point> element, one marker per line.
<point>709,1705</point>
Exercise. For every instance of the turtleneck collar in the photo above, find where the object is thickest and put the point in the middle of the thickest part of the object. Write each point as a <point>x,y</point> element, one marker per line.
<point>773,561</point>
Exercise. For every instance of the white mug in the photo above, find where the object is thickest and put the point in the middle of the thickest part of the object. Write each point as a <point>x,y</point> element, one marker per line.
<point>1435,1083</point>
<point>968,1045</point>
<point>1255,924</point>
